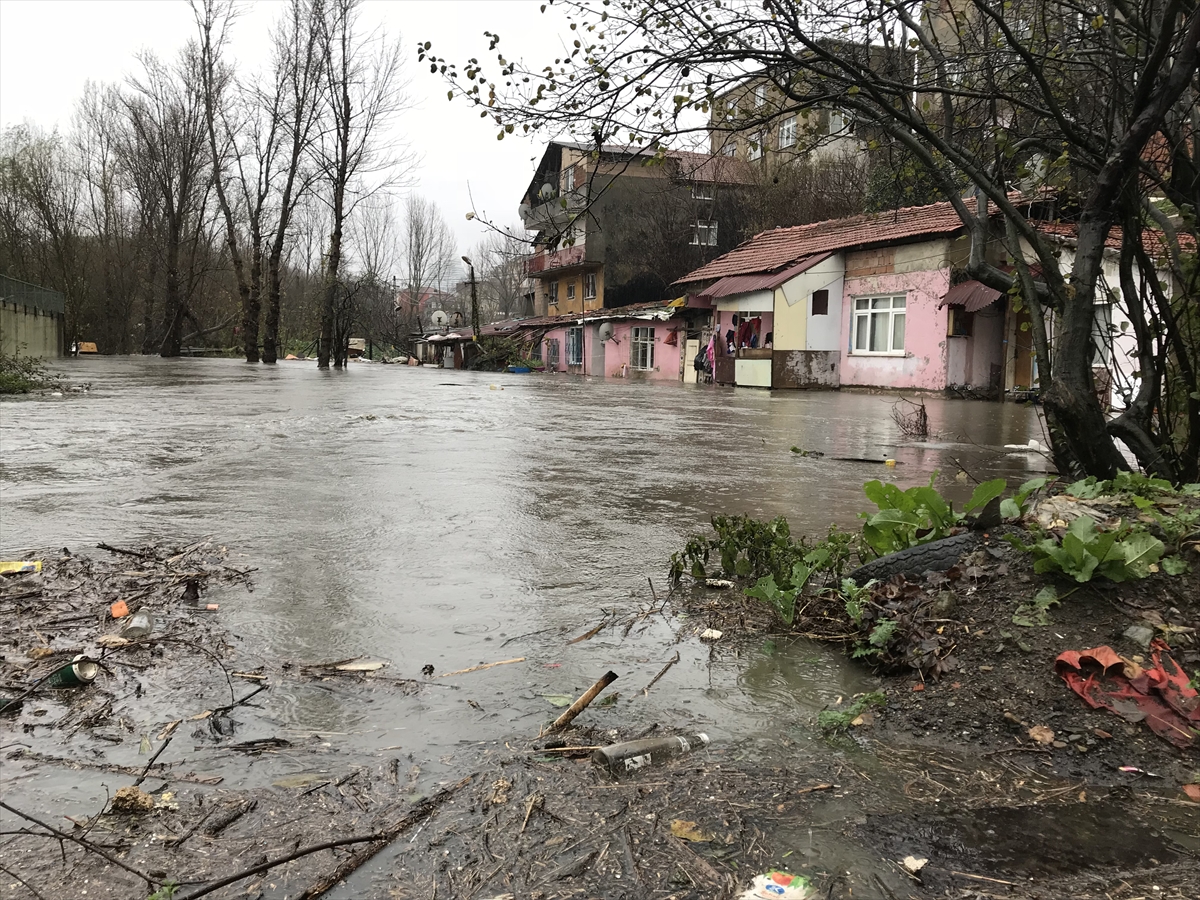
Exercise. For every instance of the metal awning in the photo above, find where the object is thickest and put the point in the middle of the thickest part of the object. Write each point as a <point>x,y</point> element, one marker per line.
<point>971,295</point>
<point>765,281</point>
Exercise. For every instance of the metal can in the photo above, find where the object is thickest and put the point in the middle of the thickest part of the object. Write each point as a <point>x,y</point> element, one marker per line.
<point>80,671</point>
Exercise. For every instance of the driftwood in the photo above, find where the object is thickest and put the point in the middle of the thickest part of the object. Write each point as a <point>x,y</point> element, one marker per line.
<point>582,703</point>
<point>662,672</point>
<point>503,662</point>
<point>379,841</point>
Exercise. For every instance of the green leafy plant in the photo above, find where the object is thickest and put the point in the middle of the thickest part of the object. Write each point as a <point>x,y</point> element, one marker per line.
<point>1035,612</point>
<point>1014,507</point>
<point>916,515</point>
<point>1086,552</point>
<point>23,374</point>
<point>832,720</point>
<point>166,891</point>
<point>749,548</point>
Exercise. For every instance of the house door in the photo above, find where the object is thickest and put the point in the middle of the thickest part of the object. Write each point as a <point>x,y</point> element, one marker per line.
<point>691,351</point>
<point>1021,352</point>
<point>596,366</point>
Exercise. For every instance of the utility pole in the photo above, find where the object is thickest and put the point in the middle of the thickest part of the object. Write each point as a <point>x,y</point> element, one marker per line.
<point>474,300</point>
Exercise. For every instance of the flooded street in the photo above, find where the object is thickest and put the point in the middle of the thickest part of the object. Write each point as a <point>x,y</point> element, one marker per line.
<point>449,518</point>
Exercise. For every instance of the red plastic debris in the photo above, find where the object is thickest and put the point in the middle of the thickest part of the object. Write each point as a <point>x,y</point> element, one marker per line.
<point>1157,694</point>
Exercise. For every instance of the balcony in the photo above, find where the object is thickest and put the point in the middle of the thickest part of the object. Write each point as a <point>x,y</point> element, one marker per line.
<point>548,260</point>
<point>555,211</point>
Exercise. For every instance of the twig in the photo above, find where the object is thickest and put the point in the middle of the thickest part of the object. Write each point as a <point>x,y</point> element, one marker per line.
<point>381,840</point>
<point>503,662</point>
<point>654,681</point>
<point>227,818</point>
<point>258,690</point>
<point>983,878</point>
<point>652,591</point>
<point>591,634</point>
<point>87,845</point>
<point>582,703</point>
<point>29,887</point>
<point>157,753</point>
<point>140,554</point>
<point>272,863</point>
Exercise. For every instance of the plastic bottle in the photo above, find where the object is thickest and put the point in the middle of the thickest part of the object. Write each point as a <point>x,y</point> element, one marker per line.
<point>138,625</point>
<point>633,755</point>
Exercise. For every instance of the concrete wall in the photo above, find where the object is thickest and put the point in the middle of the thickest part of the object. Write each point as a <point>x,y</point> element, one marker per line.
<point>30,331</point>
<point>894,271</point>
<point>800,369</point>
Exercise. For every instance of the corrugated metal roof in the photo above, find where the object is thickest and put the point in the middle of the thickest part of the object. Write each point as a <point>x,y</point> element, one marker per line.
<point>744,284</point>
<point>971,295</point>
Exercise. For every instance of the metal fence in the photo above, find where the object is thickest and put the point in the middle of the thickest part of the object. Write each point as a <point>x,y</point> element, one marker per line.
<point>21,293</point>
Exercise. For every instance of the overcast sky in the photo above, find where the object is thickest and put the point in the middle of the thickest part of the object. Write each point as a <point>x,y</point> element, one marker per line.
<point>50,48</point>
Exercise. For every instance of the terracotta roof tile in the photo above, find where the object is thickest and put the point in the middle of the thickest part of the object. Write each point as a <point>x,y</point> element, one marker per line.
<point>772,250</point>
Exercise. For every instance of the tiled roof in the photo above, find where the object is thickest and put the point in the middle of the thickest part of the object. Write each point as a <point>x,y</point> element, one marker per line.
<point>772,250</point>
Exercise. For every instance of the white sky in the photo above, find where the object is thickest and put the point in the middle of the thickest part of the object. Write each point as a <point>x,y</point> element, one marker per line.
<point>50,48</point>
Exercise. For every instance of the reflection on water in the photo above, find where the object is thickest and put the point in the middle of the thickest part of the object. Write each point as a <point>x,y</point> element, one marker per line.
<point>422,518</point>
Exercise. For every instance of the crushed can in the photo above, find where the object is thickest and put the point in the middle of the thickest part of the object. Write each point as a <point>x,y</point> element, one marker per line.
<point>80,671</point>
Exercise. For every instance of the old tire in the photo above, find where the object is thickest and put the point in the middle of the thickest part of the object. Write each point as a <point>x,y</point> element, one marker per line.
<point>936,556</point>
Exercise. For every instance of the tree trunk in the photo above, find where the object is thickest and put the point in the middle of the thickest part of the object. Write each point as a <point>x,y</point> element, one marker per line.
<point>332,264</point>
<point>270,341</point>
<point>173,300</point>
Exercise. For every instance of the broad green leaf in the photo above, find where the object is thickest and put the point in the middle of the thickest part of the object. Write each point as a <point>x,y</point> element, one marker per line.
<point>1009,508</point>
<point>894,517</point>
<point>985,494</point>
<point>1173,565</point>
<point>1141,550</point>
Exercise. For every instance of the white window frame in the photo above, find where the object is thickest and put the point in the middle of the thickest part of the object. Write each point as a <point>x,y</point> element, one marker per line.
<point>552,292</point>
<point>754,150</point>
<point>787,132</point>
<point>575,346</point>
<point>641,349</point>
<point>760,95</point>
<point>570,291</point>
<point>704,233</point>
<point>703,191</point>
<point>866,316</point>
<point>729,148</point>
<point>840,122</point>
<point>552,355</point>
<point>568,179</point>
<point>589,286</point>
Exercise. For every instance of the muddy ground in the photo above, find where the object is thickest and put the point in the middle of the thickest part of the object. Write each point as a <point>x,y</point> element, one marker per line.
<point>994,813</point>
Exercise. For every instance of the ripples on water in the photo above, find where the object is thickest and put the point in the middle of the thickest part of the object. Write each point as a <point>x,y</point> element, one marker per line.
<point>419,516</point>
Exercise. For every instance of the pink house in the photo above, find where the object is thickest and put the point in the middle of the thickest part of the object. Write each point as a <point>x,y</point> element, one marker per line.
<point>644,342</point>
<point>869,301</point>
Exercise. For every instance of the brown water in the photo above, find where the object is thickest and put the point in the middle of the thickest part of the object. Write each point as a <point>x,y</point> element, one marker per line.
<point>421,516</point>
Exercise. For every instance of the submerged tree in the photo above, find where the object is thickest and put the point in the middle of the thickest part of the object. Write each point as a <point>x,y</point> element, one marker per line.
<point>1041,95</point>
<point>360,92</point>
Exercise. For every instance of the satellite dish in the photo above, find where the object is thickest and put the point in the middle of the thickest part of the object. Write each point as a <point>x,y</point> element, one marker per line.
<point>606,331</point>
<point>547,191</point>
<point>439,318</point>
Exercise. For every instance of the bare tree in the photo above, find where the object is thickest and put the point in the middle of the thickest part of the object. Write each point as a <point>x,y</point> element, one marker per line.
<point>1098,107</point>
<point>428,252</point>
<point>361,92</point>
<point>504,287</point>
<point>298,64</point>
<point>167,149</point>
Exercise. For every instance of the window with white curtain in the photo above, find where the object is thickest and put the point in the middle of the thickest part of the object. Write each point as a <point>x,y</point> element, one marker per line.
<point>879,325</point>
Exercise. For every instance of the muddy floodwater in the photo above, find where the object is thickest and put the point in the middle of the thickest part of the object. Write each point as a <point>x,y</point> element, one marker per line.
<point>447,518</point>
